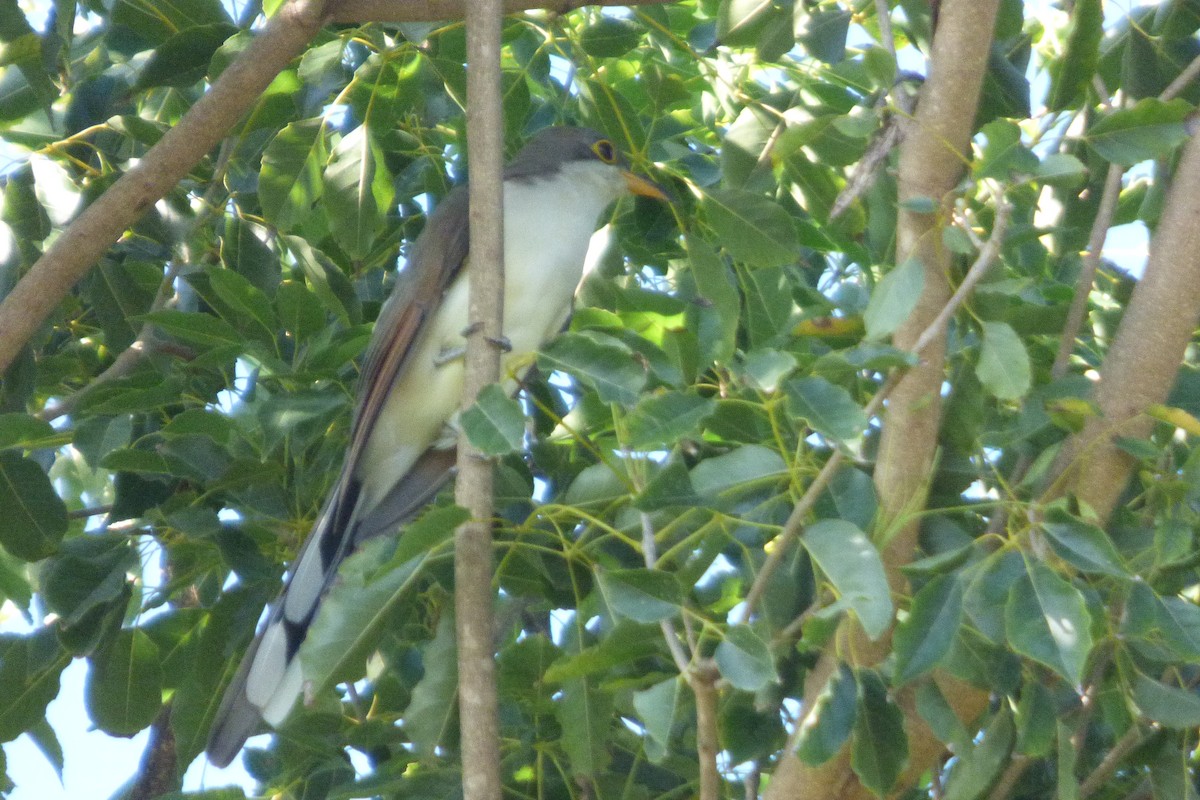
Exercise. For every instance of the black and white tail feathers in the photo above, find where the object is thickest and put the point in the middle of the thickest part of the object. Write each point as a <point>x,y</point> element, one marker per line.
<point>269,680</point>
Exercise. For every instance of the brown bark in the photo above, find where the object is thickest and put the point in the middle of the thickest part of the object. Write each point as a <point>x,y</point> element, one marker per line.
<point>83,242</point>
<point>473,489</point>
<point>1144,359</point>
<point>931,164</point>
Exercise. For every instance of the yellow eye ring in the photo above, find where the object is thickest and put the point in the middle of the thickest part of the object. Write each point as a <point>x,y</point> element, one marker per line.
<point>605,151</point>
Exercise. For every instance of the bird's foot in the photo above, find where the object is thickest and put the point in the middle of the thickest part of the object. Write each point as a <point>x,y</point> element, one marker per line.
<point>448,354</point>
<point>501,342</point>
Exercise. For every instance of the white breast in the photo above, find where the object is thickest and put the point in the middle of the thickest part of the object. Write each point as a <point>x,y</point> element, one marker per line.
<point>548,224</point>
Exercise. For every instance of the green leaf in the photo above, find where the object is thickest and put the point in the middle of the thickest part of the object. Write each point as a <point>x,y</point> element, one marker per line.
<point>642,595</point>
<point>358,193</point>
<point>765,367</point>
<point>829,724</point>
<point>747,464</point>
<point>1170,706</point>
<point>669,488</point>
<point>35,519</point>
<point>245,300</point>
<point>124,685</point>
<point>1083,546</point>
<point>299,310</point>
<point>661,420</point>
<point>822,32</point>
<point>627,643</point>
<point>495,424</point>
<point>194,327</point>
<point>30,667</point>
<point>1004,155</point>
<point>1003,366</point>
<point>745,660</point>
<point>657,707</point>
<point>434,699</point>
<point>1047,620</point>
<point>87,572</point>
<point>754,229</point>
<point>1036,720</point>
<point>1071,75</point>
<point>599,361</point>
<point>156,23</point>
<point>609,37</point>
<point>183,58</point>
<point>880,748</point>
<point>718,319</point>
<point>927,633</point>
<point>893,299</point>
<point>327,279</point>
<point>1150,129</point>
<point>941,718</point>
<point>24,431</point>
<point>829,409</point>
<point>852,564</point>
<point>1068,758</point>
<point>1061,170</point>
<point>584,712</point>
<point>977,768</point>
<point>289,182</point>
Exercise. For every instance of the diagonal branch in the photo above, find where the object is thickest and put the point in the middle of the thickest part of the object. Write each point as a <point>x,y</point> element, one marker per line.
<point>87,238</point>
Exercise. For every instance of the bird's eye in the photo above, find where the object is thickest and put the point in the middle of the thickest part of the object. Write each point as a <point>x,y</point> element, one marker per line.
<point>605,151</point>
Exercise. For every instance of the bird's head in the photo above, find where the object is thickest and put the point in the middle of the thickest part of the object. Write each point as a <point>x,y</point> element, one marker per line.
<point>554,149</point>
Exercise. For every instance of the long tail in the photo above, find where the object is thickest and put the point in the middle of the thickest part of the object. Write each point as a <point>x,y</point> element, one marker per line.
<point>269,681</point>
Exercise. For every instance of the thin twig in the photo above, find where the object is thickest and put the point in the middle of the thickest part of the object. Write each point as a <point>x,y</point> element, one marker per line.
<point>1130,741</point>
<point>884,14</point>
<point>1008,779</point>
<point>1181,80</point>
<point>1087,269</point>
<point>650,557</point>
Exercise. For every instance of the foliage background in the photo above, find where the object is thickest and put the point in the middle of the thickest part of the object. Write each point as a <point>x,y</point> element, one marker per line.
<point>952,569</point>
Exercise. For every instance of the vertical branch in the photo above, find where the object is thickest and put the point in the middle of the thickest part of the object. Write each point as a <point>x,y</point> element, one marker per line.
<point>473,567</point>
<point>703,680</point>
<point>1144,359</point>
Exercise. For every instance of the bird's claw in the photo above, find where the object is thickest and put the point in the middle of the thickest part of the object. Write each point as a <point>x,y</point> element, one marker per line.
<point>501,342</point>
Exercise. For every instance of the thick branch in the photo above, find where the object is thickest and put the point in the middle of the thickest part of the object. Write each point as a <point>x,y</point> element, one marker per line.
<point>1144,359</point>
<point>703,683</point>
<point>85,240</point>
<point>480,730</point>
<point>931,163</point>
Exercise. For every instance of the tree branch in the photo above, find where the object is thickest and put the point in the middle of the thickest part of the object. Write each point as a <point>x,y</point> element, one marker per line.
<point>1087,269</point>
<point>987,257</point>
<point>703,683</point>
<point>164,165</point>
<point>473,567</point>
<point>1144,359</point>
<point>931,163</point>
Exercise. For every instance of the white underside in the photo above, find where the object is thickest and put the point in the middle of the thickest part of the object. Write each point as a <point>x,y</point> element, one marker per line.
<point>547,228</point>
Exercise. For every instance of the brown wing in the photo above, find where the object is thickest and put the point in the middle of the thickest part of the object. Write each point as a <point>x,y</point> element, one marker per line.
<point>437,257</point>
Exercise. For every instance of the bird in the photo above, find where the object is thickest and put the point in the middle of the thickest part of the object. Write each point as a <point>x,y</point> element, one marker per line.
<point>402,437</point>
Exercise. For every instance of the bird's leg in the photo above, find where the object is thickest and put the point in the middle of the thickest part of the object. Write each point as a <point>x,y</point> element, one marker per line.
<point>448,354</point>
<point>500,342</point>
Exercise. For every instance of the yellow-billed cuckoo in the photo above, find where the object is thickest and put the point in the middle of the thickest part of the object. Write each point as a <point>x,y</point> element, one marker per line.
<point>411,385</point>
